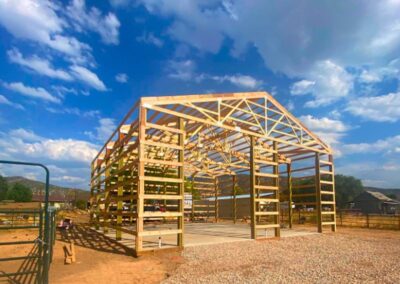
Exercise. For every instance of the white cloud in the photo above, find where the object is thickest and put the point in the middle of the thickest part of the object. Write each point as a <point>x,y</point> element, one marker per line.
<point>5,101</point>
<point>38,21</point>
<point>39,65</point>
<point>183,70</point>
<point>368,76</point>
<point>88,77</point>
<point>21,143</point>
<point>373,173</point>
<point>330,130</point>
<point>104,130</point>
<point>331,83</point>
<point>288,36</point>
<point>67,159</point>
<point>388,146</point>
<point>121,78</point>
<point>74,111</point>
<point>37,93</point>
<point>380,108</point>
<point>243,81</point>
<point>302,87</point>
<point>150,38</point>
<point>106,26</point>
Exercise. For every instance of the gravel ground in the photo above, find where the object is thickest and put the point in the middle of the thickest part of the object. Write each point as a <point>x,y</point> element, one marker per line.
<point>349,256</point>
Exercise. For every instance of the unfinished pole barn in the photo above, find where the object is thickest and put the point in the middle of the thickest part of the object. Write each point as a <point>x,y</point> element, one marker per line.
<point>209,147</point>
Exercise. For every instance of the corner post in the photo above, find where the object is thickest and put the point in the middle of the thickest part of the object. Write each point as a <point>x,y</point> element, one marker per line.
<point>181,207</point>
<point>289,184</point>
<point>318,192</point>
<point>278,205</point>
<point>252,189</point>
<point>140,182</point>
<point>234,198</point>
<point>216,206</point>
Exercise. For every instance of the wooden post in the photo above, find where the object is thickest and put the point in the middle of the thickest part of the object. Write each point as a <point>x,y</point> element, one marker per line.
<point>234,198</point>
<point>107,192</point>
<point>120,193</point>
<point>181,206</point>
<point>192,214</point>
<point>289,184</point>
<point>216,206</point>
<point>333,216</point>
<point>141,182</point>
<point>318,192</point>
<point>367,220</point>
<point>278,205</point>
<point>252,190</point>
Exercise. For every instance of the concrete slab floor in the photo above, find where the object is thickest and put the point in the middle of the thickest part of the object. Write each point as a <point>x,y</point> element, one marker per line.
<point>197,234</point>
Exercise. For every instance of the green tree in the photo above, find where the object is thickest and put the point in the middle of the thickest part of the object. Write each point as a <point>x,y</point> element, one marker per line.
<point>347,188</point>
<point>3,188</point>
<point>19,193</point>
<point>81,204</point>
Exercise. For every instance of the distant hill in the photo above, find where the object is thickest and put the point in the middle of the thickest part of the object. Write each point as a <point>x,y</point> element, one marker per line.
<point>385,191</point>
<point>37,187</point>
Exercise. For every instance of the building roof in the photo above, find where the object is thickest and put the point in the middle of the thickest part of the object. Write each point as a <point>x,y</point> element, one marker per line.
<point>380,196</point>
<point>52,198</point>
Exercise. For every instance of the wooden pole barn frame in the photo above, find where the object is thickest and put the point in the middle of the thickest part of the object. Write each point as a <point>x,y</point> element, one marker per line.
<point>163,142</point>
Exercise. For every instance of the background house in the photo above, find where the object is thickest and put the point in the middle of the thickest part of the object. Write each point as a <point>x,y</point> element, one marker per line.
<point>376,203</point>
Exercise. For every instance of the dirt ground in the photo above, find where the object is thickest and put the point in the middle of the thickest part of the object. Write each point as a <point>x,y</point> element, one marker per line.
<point>348,256</point>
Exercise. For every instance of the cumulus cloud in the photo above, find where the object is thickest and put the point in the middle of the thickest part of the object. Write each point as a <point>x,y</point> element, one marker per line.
<point>68,159</point>
<point>38,21</point>
<point>5,101</point>
<point>83,19</point>
<point>302,87</point>
<point>389,145</point>
<point>185,70</point>
<point>150,38</point>
<point>104,130</point>
<point>288,35</point>
<point>379,108</point>
<point>36,93</point>
<point>40,65</point>
<point>327,82</point>
<point>20,143</point>
<point>121,78</point>
<point>88,77</point>
<point>330,130</point>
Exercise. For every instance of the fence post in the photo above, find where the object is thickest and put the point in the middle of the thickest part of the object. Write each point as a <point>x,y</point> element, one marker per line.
<point>367,220</point>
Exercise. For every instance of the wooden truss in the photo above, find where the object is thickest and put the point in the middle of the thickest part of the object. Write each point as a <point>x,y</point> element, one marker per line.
<point>164,142</point>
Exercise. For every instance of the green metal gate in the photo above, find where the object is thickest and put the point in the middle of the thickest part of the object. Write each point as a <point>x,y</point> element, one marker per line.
<point>35,265</point>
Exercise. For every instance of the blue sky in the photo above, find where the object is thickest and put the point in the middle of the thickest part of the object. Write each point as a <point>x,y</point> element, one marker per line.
<point>70,70</point>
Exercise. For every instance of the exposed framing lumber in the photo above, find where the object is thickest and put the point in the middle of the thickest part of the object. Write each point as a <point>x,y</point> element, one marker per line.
<point>162,140</point>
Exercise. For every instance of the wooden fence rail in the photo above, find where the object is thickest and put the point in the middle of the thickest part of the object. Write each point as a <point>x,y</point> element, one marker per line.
<point>346,219</point>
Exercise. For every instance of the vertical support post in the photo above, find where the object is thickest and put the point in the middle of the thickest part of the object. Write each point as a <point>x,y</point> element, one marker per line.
<point>92,173</point>
<point>141,182</point>
<point>216,205</point>
<point>252,189</point>
<point>278,205</point>
<point>192,213</point>
<point>331,168</point>
<point>289,184</point>
<point>181,207</point>
<point>107,192</point>
<point>318,192</point>
<point>234,199</point>
<point>120,193</point>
